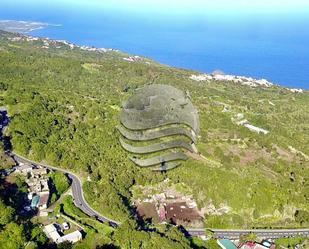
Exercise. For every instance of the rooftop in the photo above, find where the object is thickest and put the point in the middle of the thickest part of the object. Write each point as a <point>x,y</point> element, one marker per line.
<point>226,244</point>
<point>71,237</point>
<point>158,105</point>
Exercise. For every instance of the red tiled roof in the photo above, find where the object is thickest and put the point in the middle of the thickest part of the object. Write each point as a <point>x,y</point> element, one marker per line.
<point>43,199</point>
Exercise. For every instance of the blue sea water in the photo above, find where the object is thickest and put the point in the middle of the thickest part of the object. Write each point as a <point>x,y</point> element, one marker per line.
<point>270,46</point>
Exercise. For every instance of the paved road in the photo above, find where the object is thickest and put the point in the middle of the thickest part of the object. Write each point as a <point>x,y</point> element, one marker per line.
<point>262,233</point>
<point>77,192</point>
<point>81,203</point>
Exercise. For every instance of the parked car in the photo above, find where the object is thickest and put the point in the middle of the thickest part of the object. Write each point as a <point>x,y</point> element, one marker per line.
<point>65,226</point>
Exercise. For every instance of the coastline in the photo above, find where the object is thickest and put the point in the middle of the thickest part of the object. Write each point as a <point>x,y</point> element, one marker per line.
<point>24,27</point>
<point>30,26</point>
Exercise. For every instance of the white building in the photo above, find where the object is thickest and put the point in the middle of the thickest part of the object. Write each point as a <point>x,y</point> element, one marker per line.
<point>52,233</point>
<point>71,237</point>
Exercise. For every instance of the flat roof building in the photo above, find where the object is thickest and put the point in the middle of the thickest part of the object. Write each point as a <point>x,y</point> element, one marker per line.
<point>226,244</point>
<point>52,233</point>
<point>71,237</point>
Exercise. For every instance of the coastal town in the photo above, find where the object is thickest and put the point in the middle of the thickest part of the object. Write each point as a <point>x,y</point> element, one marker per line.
<point>219,76</point>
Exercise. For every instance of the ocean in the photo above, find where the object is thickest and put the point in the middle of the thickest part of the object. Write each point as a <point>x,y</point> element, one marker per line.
<point>274,47</point>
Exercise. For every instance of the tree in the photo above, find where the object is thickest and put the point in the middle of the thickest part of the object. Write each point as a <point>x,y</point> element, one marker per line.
<point>212,244</point>
<point>248,237</point>
<point>60,182</point>
<point>301,216</point>
<point>12,237</point>
<point>38,235</point>
<point>65,245</point>
<point>6,213</point>
<point>32,245</point>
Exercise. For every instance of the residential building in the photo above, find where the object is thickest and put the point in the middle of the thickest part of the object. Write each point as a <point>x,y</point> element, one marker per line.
<point>226,244</point>
<point>52,233</point>
<point>254,245</point>
<point>44,198</point>
<point>71,237</point>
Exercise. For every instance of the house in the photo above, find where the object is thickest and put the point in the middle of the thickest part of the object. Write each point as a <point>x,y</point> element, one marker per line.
<point>226,244</point>
<point>52,233</point>
<point>37,185</point>
<point>44,197</point>
<point>254,245</point>
<point>71,237</point>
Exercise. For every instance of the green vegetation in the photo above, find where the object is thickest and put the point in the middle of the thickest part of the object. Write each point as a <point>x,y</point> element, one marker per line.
<point>248,237</point>
<point>130,236</point>
<point>59,183</point>
<point>12,236</point>
<point>6,162</point>
<point>64,109</point>
<point>289,242</point>
<point>212,244</point>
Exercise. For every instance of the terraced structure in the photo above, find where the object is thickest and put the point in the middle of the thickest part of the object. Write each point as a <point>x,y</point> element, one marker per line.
<point>158,119</point>
<point>154,134</point>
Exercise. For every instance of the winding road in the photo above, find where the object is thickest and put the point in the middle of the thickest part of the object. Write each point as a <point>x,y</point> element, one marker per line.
<point>77,192</point>
<point>82,204</point>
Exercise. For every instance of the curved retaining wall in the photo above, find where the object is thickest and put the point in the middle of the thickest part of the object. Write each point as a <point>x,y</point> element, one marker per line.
<point>155,134</point>
<point>156,147</point>
<point>159,159</point>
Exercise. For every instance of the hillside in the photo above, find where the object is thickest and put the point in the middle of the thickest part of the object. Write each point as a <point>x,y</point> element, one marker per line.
<point>64,103</point>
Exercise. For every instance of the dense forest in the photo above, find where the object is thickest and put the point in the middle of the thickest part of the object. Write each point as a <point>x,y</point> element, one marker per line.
<point>64,107</point>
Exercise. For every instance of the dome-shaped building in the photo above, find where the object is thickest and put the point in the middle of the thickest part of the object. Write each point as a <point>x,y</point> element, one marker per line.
<point>158,125</point>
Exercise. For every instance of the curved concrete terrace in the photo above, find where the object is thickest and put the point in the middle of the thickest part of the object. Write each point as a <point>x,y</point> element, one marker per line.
<point>148,162</point>
<point>166,166</point>
<point>156,147</point>
<point>155,134</point>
